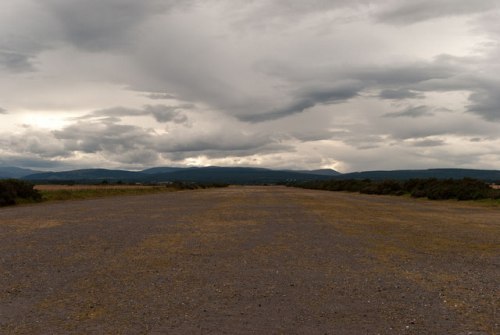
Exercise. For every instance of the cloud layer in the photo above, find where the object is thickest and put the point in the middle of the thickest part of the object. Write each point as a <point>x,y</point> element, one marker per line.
<point>351,85</point>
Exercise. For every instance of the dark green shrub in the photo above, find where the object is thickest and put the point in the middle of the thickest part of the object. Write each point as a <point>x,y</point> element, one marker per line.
<point>13,189</point>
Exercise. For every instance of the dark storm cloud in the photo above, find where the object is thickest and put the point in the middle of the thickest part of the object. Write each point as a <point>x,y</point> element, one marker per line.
<point>410,12</point>
<point>412,112</point>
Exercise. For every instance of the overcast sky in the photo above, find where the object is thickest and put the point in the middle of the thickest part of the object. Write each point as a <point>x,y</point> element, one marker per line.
<point>343,84</point>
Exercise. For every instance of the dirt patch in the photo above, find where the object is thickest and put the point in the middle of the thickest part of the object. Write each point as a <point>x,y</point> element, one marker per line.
<point>248,260</point>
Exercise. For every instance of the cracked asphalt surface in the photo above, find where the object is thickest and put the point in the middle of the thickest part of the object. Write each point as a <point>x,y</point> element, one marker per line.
<point>250,260</point>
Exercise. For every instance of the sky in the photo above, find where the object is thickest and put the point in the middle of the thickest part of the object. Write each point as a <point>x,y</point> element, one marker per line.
<point>350,85</point>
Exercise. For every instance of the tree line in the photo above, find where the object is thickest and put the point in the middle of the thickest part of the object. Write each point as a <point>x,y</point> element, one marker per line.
<point>431,188</point>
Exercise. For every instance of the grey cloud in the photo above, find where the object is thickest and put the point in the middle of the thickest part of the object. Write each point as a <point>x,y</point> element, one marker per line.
<point>413,112</point>
<point>406,74</point>
<point>402,80</point>
<point>31,162</point>
<point>484,98</point>
<point>92,137</point>
<point>125,144</point>
<point>296,107</point>
<point>16,62</point>
<point>264,15</point>
<point>307,98</point>
<point>141,156</point>
<point>25,31</point>
<point>3,111</point>
<point>228,140</point>
<point>397,82</point>
<point>164,114</point>
<point>486,103</point>
<point>400,94</point>
<point>160,113</point>
<point>428,143</point>
<point>217,153</point>
<point>364,142</point>
<point>447,74</point>
<point>410,12</point>
<point>97,25</point>
<point>115,112</point>
<point>452,83</point>
<point>318,135</point>
<point>442,126</point>
<point>490,24</point>
<point>37,143</point>
<point>160,96</point>
<point>154,49</point>
<point>132,144</point>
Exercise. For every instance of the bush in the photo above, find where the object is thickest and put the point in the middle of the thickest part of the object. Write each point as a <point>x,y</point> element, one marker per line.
<point>389,187</point>
<point>464,189</point>
<point>12,189</point>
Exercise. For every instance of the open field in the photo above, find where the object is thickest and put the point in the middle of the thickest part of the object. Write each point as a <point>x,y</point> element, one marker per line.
<point>250,260</point>
<point>91,187</point>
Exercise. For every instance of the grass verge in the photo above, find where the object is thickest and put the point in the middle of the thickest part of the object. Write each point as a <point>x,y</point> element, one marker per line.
<point>91,193</point>
<point>49,193</point>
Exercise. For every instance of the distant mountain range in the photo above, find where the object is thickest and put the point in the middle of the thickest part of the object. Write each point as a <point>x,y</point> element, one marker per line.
<point>88,175</point>
<point>213,174</point>
<point>234,175</point>
<point>237,175</point>
<point>486,175</point>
